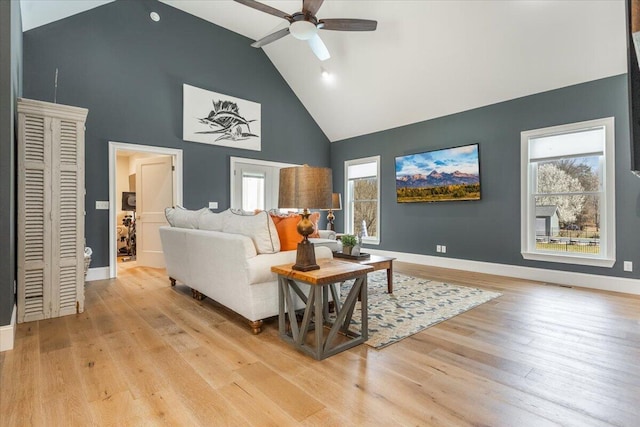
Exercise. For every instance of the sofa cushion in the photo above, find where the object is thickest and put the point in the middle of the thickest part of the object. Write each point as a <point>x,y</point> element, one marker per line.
<point>211,221</point>
<point>183,218</point>
<point>259,267</point>
<point>260,228</point>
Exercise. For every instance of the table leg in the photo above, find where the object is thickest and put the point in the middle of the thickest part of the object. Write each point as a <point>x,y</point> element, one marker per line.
<point>281,313</point>
<point>319,321</point>
<point>390,278</point>
<point>364,310</point>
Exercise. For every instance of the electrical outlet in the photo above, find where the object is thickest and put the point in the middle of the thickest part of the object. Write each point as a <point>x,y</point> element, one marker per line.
<point>102,204</point>
<point>628,266</point>
<point>444,249</point>
<point>438,248</point>
<point>213,205</point>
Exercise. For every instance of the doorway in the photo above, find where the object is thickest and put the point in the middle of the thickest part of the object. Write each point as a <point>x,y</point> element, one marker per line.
<point>254,183</point>
<point>150,178</point>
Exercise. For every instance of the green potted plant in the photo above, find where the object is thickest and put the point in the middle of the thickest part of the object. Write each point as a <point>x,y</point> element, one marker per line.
<point>348,242</point>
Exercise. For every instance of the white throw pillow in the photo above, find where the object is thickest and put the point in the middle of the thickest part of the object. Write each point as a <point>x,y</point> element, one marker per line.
<point>259,227</point>
<point>210,221</point>
<point>183,218</point>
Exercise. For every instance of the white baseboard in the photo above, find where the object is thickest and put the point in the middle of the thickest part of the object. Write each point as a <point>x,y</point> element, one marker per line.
<point>98,273</point>
<point>8,332</point>
<point>568,278</point>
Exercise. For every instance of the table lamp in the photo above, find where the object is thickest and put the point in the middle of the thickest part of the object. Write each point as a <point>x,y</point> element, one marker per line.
<point>336,205</point>
<point>305,187</point>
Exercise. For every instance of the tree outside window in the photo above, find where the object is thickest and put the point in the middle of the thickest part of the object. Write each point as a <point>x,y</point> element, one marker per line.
<point>568,212</point>
<point>362,209</point>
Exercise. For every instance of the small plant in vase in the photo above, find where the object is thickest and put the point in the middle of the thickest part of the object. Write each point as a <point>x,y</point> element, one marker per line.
<point>348,242</point>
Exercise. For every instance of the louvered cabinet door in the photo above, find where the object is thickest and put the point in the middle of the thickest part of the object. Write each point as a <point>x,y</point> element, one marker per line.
<point>67,217</point>
<point>34,220</point>
<point>50,210</point>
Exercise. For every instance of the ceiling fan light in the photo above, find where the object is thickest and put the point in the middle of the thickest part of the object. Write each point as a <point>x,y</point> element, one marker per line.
<point>303,30</point>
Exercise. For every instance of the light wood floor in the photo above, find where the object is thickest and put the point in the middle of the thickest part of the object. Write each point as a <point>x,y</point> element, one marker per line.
<point>144,353</point>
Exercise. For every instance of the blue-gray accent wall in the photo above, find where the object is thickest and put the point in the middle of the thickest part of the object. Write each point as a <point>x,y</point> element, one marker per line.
<point>129,71</point>
<point>10,89</point>
<point>489,230</point>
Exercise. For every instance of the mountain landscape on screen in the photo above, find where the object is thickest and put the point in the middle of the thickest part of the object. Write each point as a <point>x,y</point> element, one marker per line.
<point>436,179</point>
<point>439,175</point>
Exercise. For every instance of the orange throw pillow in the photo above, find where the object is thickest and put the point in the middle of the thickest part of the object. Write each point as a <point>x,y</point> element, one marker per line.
<point>287,226</point>
<point>287,231</point>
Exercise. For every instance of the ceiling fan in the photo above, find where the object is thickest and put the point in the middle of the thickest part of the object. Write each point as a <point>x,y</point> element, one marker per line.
<point>304,25</point>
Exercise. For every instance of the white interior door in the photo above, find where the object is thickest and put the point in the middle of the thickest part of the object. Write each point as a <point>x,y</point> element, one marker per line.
<point>154,192</point>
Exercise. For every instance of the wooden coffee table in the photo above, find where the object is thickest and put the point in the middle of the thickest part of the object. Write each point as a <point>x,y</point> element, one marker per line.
<point>378,263</point>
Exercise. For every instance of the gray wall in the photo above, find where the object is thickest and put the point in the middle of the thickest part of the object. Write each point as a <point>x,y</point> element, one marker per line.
<point>10,89</point>
<point>128,71</point>
<point>489,230</point>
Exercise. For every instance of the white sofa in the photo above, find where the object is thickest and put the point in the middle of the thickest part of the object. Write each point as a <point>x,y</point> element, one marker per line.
<point>227,267</point>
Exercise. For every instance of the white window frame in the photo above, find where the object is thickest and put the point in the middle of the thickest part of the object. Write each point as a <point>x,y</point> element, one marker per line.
<point>607,256</point>
<point>272,176</point>
<point>348,208</point>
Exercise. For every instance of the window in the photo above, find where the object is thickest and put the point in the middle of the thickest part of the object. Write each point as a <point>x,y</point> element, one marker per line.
<point>568,193</point>
<point>253,189</point>
<point>254,183</point>
<point>362,207</point>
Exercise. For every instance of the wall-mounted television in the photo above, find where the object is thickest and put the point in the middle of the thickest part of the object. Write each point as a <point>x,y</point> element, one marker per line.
<point>440,175</point>
<point>633,54</point>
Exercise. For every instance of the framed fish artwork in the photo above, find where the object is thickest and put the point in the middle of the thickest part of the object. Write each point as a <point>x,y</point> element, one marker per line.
<point>217,119</point>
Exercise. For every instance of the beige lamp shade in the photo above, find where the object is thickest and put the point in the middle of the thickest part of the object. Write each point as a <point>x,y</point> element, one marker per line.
<point>336,201</point>
<point>305,187</point>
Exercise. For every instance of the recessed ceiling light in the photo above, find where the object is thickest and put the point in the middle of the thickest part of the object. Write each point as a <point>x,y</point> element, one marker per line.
<point>154,16</point>
<point>325,74</point>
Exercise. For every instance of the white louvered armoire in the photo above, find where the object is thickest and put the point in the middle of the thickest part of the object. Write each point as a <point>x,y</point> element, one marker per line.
<point>50,209</point>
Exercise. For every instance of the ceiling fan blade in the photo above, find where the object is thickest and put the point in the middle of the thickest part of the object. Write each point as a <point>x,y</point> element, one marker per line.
<point>318,47</point>
<point>311,6</point>
<point>266,9</point>
<point>347,24</point>
<point>271,38</point>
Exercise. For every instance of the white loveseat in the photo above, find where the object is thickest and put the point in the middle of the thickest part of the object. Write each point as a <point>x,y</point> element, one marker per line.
<point>231,268</point>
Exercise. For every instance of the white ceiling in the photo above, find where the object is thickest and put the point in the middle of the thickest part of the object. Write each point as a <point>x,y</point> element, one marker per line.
<point>426,59</point>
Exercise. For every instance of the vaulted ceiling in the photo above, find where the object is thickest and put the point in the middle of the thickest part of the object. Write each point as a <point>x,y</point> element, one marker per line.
<point>426,59</point>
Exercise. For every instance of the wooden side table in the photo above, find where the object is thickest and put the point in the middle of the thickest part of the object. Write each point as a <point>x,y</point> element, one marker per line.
<point>316,312</point>
<point>378,263</point>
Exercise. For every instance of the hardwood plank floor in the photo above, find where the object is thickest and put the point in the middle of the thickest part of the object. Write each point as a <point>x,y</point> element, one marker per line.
<point>146,353</point>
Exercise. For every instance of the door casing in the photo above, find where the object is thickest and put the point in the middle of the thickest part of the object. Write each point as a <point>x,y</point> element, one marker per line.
<point>114,147</point>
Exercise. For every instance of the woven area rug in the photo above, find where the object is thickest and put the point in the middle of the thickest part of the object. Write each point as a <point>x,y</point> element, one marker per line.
<point>415,304</point>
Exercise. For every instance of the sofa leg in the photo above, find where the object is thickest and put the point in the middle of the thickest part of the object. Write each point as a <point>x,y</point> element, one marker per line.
<point>197,295</point>
<point>256,326</point>
<point>173,281</point>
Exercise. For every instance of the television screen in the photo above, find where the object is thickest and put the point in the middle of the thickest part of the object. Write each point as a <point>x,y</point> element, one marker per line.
<point>128,201</point>
<point>633,53</point>
<point>440,175</point>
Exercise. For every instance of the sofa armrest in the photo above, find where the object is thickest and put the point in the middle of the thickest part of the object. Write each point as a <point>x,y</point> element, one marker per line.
<point>327,234</point>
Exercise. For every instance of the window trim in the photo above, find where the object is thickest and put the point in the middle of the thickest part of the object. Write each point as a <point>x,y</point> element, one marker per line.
<point>527,209</point>
<point>348,223</point>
